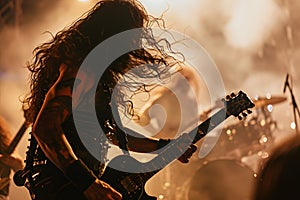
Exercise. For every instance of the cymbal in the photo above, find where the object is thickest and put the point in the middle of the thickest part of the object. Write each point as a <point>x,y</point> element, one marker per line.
<point>264,101</point>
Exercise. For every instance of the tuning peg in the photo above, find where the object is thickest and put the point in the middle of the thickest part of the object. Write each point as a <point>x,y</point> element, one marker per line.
<point>244,114</point>
<point>232,94</point>
<point>249,111</point>
<point>228,97</point>
<point>240,117</point>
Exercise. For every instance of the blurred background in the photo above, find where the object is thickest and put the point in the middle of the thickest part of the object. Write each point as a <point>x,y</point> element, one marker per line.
<point>254,45</point>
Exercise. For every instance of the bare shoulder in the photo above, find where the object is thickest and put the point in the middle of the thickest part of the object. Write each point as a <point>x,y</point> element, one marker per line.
<point>67,72</point>
<point>75,82</point>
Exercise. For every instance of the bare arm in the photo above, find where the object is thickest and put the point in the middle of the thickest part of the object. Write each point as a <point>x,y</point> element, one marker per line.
<point>14,161</point>
<point>142,145</point>
<point>47,127</point>
<point>145,145</point>
<point>139,143</point>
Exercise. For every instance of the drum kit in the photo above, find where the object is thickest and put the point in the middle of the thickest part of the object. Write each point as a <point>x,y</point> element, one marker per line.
<point>229,170</point>
<point>252,135</point>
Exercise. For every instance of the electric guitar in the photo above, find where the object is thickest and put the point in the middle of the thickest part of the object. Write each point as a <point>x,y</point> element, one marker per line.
<point>131,184</point>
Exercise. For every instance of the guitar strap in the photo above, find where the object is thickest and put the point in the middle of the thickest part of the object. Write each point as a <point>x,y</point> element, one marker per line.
<point>122,140</point>
<point>120,133</point>
<point>113,114</point>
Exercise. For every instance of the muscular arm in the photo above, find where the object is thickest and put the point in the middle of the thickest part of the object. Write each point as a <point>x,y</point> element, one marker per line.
<point>135,141</point>
<point>49,133</point>
<point>47,127</point>
<point>50,136</point>
<point>138,143</point>
<point>142,145</point>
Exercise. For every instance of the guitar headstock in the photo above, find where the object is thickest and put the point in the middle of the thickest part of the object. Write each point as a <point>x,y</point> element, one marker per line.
<point>238,105</point>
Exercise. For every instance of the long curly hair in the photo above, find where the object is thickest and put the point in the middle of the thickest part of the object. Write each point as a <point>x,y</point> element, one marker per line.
<point>72,44</point>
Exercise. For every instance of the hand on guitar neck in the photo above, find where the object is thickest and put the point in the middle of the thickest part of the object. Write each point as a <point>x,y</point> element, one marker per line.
<point>13,161</point>
<point>8,162</point>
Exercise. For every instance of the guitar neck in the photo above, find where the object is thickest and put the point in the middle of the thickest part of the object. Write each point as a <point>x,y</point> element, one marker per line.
<point>236,105</point>
<point>10,149</point>
<point>208,125</point>
<point>178,147</point>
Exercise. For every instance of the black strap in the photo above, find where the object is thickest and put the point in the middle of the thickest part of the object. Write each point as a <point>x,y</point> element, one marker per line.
<point>116,122</point>
<point>122,139</point>
<point>120,131</point>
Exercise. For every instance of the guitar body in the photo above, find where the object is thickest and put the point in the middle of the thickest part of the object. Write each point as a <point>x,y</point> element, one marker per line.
<point>130,185</point>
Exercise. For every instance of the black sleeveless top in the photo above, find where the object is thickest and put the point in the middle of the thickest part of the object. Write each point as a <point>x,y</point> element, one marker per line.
<point>88,144</point>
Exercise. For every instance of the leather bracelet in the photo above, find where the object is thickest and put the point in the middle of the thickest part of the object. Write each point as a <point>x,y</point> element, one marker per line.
<point>162,142</point>
<point>80,175</point>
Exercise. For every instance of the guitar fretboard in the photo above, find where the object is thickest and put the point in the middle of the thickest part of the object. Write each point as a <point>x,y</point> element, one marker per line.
<point>179,146</point>
<point>16,139</point>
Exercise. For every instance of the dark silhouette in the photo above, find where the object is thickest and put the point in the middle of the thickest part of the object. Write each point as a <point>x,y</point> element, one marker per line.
<point>62,168</point>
